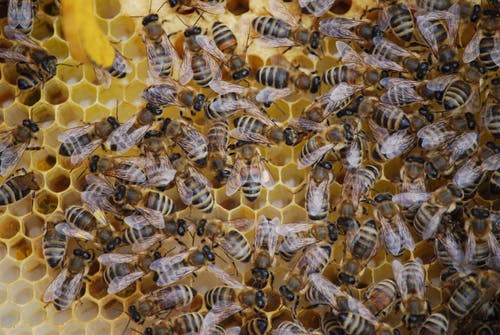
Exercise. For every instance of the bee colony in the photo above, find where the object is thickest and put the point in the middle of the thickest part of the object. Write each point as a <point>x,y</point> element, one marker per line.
<point>266,167</point>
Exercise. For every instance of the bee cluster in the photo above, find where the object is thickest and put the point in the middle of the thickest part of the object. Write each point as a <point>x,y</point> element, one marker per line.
<point>287,167</point>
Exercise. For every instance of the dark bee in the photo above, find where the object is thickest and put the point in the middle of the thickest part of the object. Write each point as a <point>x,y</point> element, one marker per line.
<point>218,137</point>
<point>387,116</point>
<point>54,245</point>
<point>279,78</point>
<point>253,130</point>
<point>17,188</point>
<point>485,44</point>
<point>227,43</point>
<point>192,142</point>
<point>398,17</point>
<point>118,69</point>
<point>381,297</point>
<point>171,93</point>
<point>14,142</point>
<point>265,243</point>
<point>349,29</point>
<point>256,326</point>
<point>21,13</point>
<point>435,324</point>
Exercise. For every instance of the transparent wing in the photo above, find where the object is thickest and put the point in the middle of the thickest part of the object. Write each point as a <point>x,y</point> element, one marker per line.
<point>270,94</point>
<point>52,292</point>
<point>304,162</point>
<point>400,96</point>
<point>408,199</point>
<point>186,72</point>
<point>74,286</point>
<point>159,171</point>
<point>185,192</point>
<point>278,10</point>
<point>119,283</point>
<point>10,156</point>
<point>431,228</point>
<point>399,276</point>
<point>15,35</point>
<point>274,42</point>
<point>224,87</point>
<point>70,230</point>
<point>163,94</point>
<point>391,238</point>
<point>397,143</point>
<point>347,53</point>
<point>234,181</point>
<point>471,51</point>
<point>111,259</point>
<point>147,243</point>
<point>491,163</point>
<point>339,27</point>
<point>12,56</point>
<point>440,83</point>
<point>224,277</point>
<point>209,46</point>
<point>316,195</point>
<point>395,49</point>
<point>22,15</point>
<point>215,8</point>
<point>245,134</point>
<point>216,315</point>
<point>266,179</point>
<point>461,145</point>
<point>192,139</point>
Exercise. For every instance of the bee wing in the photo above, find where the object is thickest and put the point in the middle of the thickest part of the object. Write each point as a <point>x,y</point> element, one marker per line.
<point>161,263</point>
<point>292,228</point>
<point>392,240</point>
<point>316,192</point>
<point>124,172</point>
<point>327,289</point>
<point>293,244</point>
<point>154,217</point>
<point>53,291</point>
<point>379,133</point>
<point>278,10</point>
<point>159,173</point>
<point>274,42</point>
<point>314,156</point>
<point>354,155</point>
<point>74,286</point>
<point>308,125</point>
<point>224,277</point>
<point>216,8</point>
<point>461,144</point>
<point>71,135</point>
<point>243,225</point>
<point>147,243</point>
<point>389,82</point>
<point>111,259</point>
<point>440,83</point>
<point>192,139</point>
<point>244,134</point>
<point>454,250</point>
<point>186,71</point>
<point>471,51</point>
<point>163,94</point>
<point>270,94</point>
<point>404,95</point>
<point>395,49</point>
<point>15,35</point>
<point>10,156</point>
<point>102,76</point>
<point>491,163</point>
<point>209,46</point>
<point>336,95</point>
<point>347,53</point>
<point>318,11</point>
<point>224,87</point>
<point>119,283</point>
<point>12,56</point>
<point>430,229</point>
<point>339,27</point>
<point>266,179</point>
<point>408,199</point>
<point>70,230</point>
<point>20,15</point>
<point>466,175</point>
<point>122,139</point>
<point>397,144</point>
<point>272,235</point>
<point>185,192</point>
<point>234,180</point>
<point>400,278</point>
<point>407,239</point>
<point>216,315</point>
<point>495,52</point>
<point>383,64</point>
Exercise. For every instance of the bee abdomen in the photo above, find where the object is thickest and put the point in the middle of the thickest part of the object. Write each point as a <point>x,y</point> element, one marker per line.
<point>272,76</point>
<point>456,95</point>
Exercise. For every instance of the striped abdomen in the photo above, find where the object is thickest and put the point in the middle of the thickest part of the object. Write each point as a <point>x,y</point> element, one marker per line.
<point>456,94</point>
<point>273,76</point>
<point>270,26</point>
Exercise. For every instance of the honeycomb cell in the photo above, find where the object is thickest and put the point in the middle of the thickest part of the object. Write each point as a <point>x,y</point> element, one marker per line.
<point>21,292</point>
<point>112,309</point>
<point>294,213</point>
<point>133,93</point>
<point>21,249</point>
<point>280,196</point>
<point>309,319</point>
<point>59,317</point>
<point>45,202</point>
<point>3,250</point>
<point>56,92</point>
<point>46,329</point>
<point>3,294</point>
<point>9,226</point>
<point>7,95</point>
<point>70,74</point>
<point>10,74</point>
<point>33,313</point>
<point>43,114</point>
<point>122,28</point>
<point>73,328</point>
<point>228,203</point>
<point>30,98</point>
<point>10,270</point>
<point>291,176</point>
<point>58,180</point>
<point>15,114</point>
<point>341,7</point>
<point>84,94</point>
<point>57,48</point>
<point>142,71</point>
<point>110,97</point>
<point>237,7</point>
<point>279,156</point>
<point>107,9</point>
<point>97,288</point>
<point>44,159</point>
<point>21,330</point>
<point>33,225</point>
<point>98,327</point>
<point>70,197</point>
<point>33,269</point>
<point>43,29</point>
<point>9,316</point>
<point>87,310</point>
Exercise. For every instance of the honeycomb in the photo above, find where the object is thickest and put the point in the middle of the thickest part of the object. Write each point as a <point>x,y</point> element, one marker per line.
<point>74,95</point>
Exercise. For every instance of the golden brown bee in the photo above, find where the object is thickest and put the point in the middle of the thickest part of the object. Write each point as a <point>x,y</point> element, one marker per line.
<point>282,29</point>
<point>161,301</point>
<point>290,328</point>
<point>118,69</point>
<point>21,13</point>
<point>183,324</point>
<point>435,324</point>
<point>471,291</point>
<point>429,5</point>
<point>410,278</point>
<point>252,129</point>
<point>218,138</point>
<point>192,142</point>
<point>381,297</point>
<point>199,58</point>
<point>65,288</point>
<point>131,132</point>
<point>143,238</point>
<point>256,326</point>
<point>54,245</point>
<point>188,6</point>
<point>412,174</point>
<point>390,145</point>
<point>161,54</point>
<point>171,93</point>
<point>193,187</point>
<point>386,116</point>
<point>457,92</point>
<point>249,173</point>
<point>235,293</point>
<point>14,143</point>
<point>354,323</point>
<point>17,188</point>
<point>318,191</point>
<point>491,115</point>
<point>34,64</point>
<point>397,16</point>
<point>265,243</point>
<point>360,247</point>
<point>228,234</point>
<point>330,324</point>
<point>126,169</point>
<point>79,143</point>
<point>227,43</point>
<point>349,29</point>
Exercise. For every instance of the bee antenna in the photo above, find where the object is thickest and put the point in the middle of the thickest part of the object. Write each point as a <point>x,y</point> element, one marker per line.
<point>180,19</point>
<point>126,326</point>
<point>198,19</point>
<point>151,2</point>
<point>220,257</point>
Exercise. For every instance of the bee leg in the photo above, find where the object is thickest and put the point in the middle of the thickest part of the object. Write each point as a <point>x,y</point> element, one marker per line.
<point>271,279</point>
<point>34,148</point>
<point>301,187</point>
<point>185,117</point>
<point>181,243</point>
<point>286,50</point>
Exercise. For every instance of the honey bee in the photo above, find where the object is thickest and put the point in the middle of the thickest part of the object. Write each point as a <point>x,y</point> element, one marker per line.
<point>265,243</point>
<point>118,69</point>
<point>330,324</point>
<point>256,326</point>
<point>482,247</point>
<point>349,29</point>
<point>282,29</point>
<point>390,146</point>
<point>200,58</point>
<point>318,191</point>
<point>441,38</point>
<point>173,268</point>
<point>472,173</point>
<point>227,43</point>
<point>193,187</point>
<point>384,115</point>
<point>192,142</point>
<point>171,93</point>
<point>13,143</point>
<point>397,16</point>
<point>17,188</point>
<point>79,143</point>
<point>215,7</point>
<point>435,135</point>
<point>79,223</point>
<point>183,324</point>
<point>360,247</point>
<point>437,323</point>
<point>54,245</point>
<point>65,288</point>
<point>314,259</point>
<point>131,132</point>
<point>396,234</point>
<point>471,291</point>
<point>228,234</point>
<point>126,169</point>
<point>161,54</point>
<point>456,92</point>
<point>141,239</point>
<point>381,297</point>
<point>34,64</point>
<point>485,44</point>
<point>234,293</point>
<point>249,173</point>
<point>291,328</point>
<point>491,118</point>
<point>251,129</point>
<point>218,138</point>
<point>122,270</point>
<point>20,15</point>
<point>161,302</point>
<point>412,174</point>
<point>354,323</point>
<point>230,102</point>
